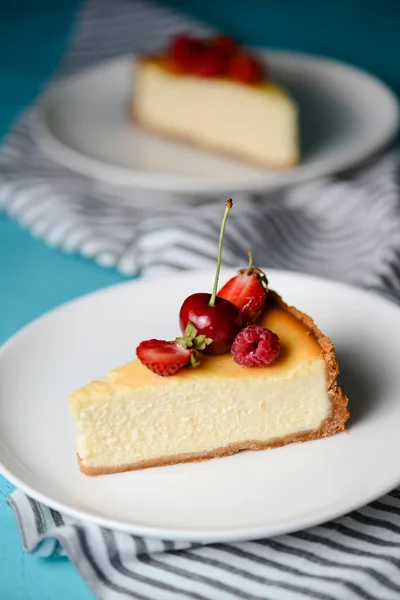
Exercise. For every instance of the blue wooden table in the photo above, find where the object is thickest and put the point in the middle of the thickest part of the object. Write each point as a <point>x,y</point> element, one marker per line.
<point>34,278</point>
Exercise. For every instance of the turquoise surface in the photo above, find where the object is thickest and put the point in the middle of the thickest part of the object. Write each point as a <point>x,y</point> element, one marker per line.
<point>34,278</point>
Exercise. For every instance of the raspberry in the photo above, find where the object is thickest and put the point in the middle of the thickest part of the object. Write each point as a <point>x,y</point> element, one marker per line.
<point>255,346</point>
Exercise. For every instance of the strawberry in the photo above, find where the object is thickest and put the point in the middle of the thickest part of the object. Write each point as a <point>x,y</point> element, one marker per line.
<point>162,357</point>
<point>247,291</point>
<point>167,358</point>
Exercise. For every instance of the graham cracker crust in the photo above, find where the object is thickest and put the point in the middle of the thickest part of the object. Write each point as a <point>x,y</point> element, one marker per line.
<point>333,424</point>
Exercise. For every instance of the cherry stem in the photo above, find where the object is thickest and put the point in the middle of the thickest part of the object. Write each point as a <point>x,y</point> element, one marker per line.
<point>228,206</point>
<point>250,267</point>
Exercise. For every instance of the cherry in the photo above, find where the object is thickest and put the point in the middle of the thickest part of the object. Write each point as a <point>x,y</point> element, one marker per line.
<point>212,316</point>
<point>220,321</point>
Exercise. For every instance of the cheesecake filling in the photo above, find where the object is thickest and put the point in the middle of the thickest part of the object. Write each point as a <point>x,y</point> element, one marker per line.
<point>219,114</point>
<point>152,423</point>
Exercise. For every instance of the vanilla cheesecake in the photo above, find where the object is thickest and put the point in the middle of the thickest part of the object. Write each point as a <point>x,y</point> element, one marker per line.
<point>238,111</point>
<point>133,419</point>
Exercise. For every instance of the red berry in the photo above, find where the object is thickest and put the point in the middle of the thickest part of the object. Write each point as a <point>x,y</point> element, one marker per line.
<point>247,290</point>
<point>247,293</point>
<point>220,322</point>
<point>255,346</point>
<point>245,68</point>
<point>163,358</point>
<point>213,317</point>
<point>210,63</point>
<point>185,51</point>
<point>225,43</point>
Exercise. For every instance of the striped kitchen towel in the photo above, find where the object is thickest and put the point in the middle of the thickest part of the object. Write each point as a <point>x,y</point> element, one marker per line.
<point>354,557</point>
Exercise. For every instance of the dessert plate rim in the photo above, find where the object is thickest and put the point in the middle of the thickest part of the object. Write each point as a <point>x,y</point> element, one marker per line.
<point>80,152</point>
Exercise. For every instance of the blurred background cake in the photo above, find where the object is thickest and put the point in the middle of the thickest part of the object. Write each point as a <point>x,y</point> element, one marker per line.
<point>217,95</point>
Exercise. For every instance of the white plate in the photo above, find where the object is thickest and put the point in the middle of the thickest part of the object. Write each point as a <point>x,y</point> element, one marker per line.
<point>250,495</point>
<point>346,116</point>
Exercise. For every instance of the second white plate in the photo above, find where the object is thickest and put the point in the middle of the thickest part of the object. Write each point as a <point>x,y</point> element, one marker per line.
<point>247,496</point>
<point>346,115</point>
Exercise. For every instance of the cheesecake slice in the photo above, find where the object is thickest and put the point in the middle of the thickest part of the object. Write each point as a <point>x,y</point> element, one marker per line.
<point>133,419</point>
<point>225,104</point>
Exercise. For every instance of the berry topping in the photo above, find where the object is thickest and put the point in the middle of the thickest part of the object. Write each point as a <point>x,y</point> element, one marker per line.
<point>220,322</point>
<point>213,57</point>
<point>245,68</point>
<point>214,317</point>
<point>247,290</point>
<point>191,339</point>
<point>163,358</point>
<point>228,45</point>
<point>167,358</point>
<point>184,52</point>
<point>211,62</point>
<point>255,346</point>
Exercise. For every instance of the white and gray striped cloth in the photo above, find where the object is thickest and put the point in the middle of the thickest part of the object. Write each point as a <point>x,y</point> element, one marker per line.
<point>345,228</point>
<point>357,556</point>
